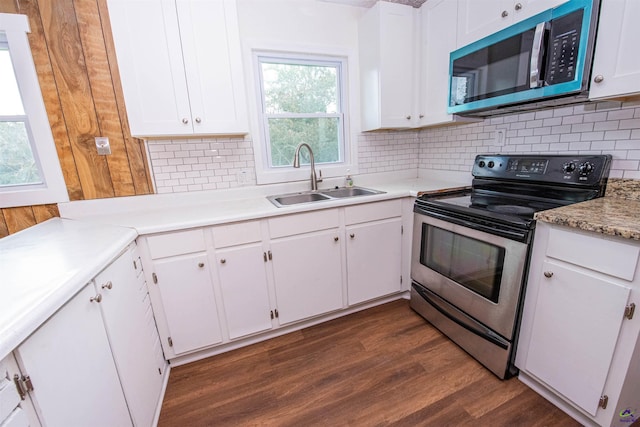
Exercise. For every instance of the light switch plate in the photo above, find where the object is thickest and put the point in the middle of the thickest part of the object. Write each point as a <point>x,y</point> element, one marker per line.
<point>102,144</point>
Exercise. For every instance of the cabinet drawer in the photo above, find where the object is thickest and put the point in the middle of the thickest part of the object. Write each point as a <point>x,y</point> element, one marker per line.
<point>606,256</point>
<point>303,223</point>
<point>237,234</point>
<point>179,243</point>
<point>373,211</point>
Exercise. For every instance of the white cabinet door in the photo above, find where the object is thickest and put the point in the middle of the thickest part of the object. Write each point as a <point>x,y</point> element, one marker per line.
<point>147,41</point>
<point>308,275</point>
<point>373,259</point>
<point>180,66</point>
<point>133,336</point>
<point>70,364</point>
<point>437,17</point>
<point>243,282</point>
<point>387,66</point>
<point>188,302</point>
<point>576,323</point>
<point>616,66</point>
<point>478,19</point>
<point>213,65</point>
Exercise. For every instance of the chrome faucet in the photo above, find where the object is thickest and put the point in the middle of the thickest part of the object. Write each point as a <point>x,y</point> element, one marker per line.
<point>296,164</point>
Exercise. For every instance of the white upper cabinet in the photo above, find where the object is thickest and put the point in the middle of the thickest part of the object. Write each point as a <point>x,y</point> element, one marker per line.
<point>477,19</point>
<point>437,18</point>
<point>180,66</point>
<point>387,66</point>
<point>616,68</point>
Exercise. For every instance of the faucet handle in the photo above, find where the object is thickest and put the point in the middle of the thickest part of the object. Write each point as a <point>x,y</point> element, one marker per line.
<point>320,178</point>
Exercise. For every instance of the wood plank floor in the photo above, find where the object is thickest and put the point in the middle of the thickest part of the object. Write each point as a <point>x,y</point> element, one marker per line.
<point>383,366</point>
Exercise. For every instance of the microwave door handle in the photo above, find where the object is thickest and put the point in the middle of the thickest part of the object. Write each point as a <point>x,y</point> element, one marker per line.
<point>537,53</point>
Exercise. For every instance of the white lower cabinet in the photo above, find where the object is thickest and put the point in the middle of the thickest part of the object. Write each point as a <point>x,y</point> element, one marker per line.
<point>374,246</point>
<point>186,291</point>
<point>578,339</point>
<point>69,362</point>
<point>307,272</point>
<point>242,269</point>
<point>97,361</point>
<point>123,290</point>
<point>234,283</point>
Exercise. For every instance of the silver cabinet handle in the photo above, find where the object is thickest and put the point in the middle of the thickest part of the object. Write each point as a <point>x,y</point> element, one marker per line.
<point>548,274</point>
<point>598,79</point>
<point>198,120</point>
<point>185,120</point>
<point>335,239</point>
<point>518,6</point>
<point>97,298</point>
<point>201,264</point>
<point>107,285</point>
<point>505,13</point>
<point>408,117</point>
<point>223,261</point>
<point>352,235</point>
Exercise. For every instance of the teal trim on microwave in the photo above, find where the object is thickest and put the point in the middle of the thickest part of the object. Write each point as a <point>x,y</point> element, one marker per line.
<point>536,94</point>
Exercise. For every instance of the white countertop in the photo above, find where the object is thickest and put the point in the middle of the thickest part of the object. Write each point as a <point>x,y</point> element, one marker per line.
<point>167,212</point>
<point>42,267</point>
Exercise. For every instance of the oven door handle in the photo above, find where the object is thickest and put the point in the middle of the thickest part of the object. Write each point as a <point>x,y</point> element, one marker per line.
<point>470,324</point>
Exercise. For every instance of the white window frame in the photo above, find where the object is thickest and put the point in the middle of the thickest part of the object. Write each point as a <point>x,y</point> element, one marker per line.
<point>268,175</point>
<point>53,188</point>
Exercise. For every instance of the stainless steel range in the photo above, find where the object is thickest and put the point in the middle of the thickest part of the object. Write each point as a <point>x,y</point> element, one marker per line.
<point>471,248</point>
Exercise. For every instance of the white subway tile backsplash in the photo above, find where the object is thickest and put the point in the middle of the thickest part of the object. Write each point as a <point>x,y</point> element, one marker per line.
<point>201,164</point>
<point>598,128</point>
<point>592,128</point>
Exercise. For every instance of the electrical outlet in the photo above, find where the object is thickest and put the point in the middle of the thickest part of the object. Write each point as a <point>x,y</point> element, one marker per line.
<point>102,144</point>
<point>501,137</point>
<point>242,177</point>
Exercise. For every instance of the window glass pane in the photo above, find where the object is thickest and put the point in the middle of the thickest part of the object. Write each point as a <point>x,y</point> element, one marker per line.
<point>17,162</point>
<point>322,134</point>
<point>10,100</point>
<point>298,88</point>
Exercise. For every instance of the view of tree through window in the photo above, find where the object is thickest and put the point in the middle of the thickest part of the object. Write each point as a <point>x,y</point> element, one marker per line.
<point>17,161</point>
<point>301,103</point>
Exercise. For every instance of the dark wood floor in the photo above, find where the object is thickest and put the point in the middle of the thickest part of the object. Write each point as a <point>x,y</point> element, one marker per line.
<point>383,366</point>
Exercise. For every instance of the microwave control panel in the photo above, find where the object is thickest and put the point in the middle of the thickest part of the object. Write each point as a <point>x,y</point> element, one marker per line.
<point>564,41</point>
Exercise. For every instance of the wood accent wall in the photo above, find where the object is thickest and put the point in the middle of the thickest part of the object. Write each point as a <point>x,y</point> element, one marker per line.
<point>76,64</point>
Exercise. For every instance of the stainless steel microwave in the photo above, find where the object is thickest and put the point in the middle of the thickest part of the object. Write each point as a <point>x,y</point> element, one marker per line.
<point>542,61</point>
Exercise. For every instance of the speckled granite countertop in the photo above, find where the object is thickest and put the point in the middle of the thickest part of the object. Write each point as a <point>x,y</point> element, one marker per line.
<point>616,214</point>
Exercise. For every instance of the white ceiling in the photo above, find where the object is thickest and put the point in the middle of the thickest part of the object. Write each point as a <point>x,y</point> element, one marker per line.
<point>369,3</point>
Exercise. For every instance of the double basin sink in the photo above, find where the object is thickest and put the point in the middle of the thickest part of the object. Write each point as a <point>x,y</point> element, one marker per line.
<point>283,200</point>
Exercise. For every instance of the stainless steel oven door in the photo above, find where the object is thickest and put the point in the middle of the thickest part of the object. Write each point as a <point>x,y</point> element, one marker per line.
<point>479,273</point>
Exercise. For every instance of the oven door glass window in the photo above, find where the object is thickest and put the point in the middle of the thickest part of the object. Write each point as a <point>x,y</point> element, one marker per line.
<point>472,263</point>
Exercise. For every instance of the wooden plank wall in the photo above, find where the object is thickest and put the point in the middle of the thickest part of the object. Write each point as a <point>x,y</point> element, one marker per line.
<point>75,59</point>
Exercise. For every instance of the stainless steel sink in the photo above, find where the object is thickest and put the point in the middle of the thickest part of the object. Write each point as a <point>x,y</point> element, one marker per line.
<point>294,199</point>
<point>350,192</point>
<point>336,193</point>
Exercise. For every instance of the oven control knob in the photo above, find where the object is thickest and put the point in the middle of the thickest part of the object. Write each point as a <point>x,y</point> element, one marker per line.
<point>569,167</point>
<point>481,163</point>
<point>585,168</point>
<point>491,164</point>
